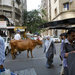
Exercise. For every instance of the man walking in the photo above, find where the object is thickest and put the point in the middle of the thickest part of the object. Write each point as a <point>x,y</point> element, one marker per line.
<point>17,35</point>
<point>68,48</point>
<point>49,50</point>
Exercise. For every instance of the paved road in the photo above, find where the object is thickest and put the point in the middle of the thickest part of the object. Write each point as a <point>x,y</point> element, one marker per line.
<point>33,66</point>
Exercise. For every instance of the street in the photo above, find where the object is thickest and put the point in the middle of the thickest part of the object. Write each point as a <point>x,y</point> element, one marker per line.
<point>36,19</point>
<point>34,66</point>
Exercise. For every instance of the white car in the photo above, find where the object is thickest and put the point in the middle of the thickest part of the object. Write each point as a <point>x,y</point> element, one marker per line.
<point>7,45</point>
<point>56,40</point>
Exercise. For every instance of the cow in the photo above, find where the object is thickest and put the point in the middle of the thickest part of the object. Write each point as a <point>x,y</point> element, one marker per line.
<point>22,45</point>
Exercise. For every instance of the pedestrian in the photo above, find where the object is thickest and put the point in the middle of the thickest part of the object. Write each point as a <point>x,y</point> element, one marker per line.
<point>17,35</point>
<point>29,35</point>
<point>63,37</point>
<point>2,55</point>
<point>2,52</point>
<point>68,48</point>
<point>50,50</point>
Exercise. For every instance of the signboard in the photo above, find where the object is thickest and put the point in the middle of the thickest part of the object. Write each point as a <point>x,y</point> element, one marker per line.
<point>3,24</point>
<point>20,28</point>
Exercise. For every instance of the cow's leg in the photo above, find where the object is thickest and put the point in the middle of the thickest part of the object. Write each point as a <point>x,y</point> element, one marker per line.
<point>12,54</point>
<point>27,53</point>
<point>31,54</point>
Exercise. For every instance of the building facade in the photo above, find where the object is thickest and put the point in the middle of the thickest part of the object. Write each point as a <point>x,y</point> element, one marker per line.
<point>59,10</point>
<point>24,4</point>
<point>44,9</point>
<point>12,9</point>
<point>10,14</point>
<point>62,9</point>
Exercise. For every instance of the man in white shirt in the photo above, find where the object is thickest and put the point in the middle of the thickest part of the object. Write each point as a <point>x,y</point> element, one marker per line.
<point>17,36</point>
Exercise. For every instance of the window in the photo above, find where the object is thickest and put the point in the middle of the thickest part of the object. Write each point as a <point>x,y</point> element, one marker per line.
<point>66,6</point>
<point>55,11</point>
<point>8,14</point>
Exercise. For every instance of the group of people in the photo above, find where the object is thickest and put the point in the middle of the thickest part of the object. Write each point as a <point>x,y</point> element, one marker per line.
<point>33,36</point>
<point>68,52</point>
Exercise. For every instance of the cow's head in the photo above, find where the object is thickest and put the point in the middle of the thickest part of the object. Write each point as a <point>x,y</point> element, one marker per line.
<point>38,42</point>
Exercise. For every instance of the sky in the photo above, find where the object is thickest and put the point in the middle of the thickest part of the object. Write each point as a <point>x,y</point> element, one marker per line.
<point>33,4</point>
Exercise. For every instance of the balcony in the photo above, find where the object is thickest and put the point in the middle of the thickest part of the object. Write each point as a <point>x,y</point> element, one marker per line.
<point>5,7</point>
<point>17,11</point>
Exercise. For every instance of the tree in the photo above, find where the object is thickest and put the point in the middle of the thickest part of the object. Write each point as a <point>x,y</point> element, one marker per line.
<point>24,17</point>
<point>43,12</point>
<point>32,20</point>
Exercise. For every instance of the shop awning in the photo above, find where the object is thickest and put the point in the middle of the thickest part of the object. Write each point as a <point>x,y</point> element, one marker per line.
<point>60,24</point>
<point>22,29</point>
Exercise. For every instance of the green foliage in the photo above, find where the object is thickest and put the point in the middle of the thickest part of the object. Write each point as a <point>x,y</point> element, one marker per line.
<point>24,17</point>
<point>43,13</point>
<point>32,20</point>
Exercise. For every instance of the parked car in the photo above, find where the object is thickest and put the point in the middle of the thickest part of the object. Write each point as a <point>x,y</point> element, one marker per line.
<point>56,40</point>
<point>7,45</point>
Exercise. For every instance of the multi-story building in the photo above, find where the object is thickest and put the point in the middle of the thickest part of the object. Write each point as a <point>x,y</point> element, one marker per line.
<point>44,9</point>
<point>62,9</point>
<point>24,4</point>
<point>59,10</point>
<point>12,10</point>
<point>10,13</point>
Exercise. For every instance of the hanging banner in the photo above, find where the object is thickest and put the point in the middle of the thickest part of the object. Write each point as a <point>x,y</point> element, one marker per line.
<point>20,28</point>
<point>3,24</point>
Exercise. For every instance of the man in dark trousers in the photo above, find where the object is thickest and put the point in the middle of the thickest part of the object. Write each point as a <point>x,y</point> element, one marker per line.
<point>68,50</point>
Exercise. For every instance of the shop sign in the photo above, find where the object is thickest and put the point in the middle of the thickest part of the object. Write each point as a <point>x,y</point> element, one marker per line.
<point>3,24</point>
<point>20,28</point>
